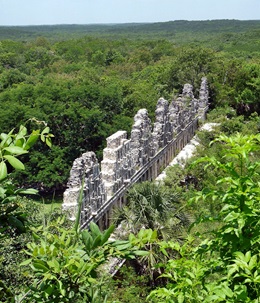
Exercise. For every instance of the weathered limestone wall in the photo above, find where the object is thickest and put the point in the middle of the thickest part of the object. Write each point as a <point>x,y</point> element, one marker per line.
<point>85,171</point>
<point>117,165</point>
<point>203,98</point>
<point>142,144</point>
<point>162,130</point>
<point>124,159</point>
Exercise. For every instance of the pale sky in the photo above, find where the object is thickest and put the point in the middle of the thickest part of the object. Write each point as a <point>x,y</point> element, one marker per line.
<point>36,12</point>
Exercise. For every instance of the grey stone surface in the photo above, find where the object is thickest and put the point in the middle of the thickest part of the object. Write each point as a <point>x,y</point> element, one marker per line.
<point>141,142</point>
<point>85,171</point>
<point>162,130</point>
<point>117,164</point>
<point>203,98</point>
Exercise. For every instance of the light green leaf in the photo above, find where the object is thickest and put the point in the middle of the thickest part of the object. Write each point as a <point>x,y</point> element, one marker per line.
<point>107,234</point>
<point>26,262</point>
<point>48,141</point>
<point>22,131</point>
<point>253,262</point>
<point>188,281</point>
<point>16,150</point>
<point>180,298</point>
<point>28,191</point>
<point>40,267</point>
<point>6,138</point>
<point>123,246</point>
<point>87,240</point>
<point>17,164</point>
<point>3,170</point>
<point>46,130</point>
<point>141,253</point>
<point>32,139</point>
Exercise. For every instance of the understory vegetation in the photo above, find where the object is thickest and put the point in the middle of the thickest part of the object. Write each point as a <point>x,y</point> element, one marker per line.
<point>195,237</point>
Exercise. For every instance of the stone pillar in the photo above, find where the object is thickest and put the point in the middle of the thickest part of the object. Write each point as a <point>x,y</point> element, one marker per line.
<point>85,170</point>
<point>142,146</point>
<point>174,117</point>
<point>203,99</point>
<point>162,130</point>
<point>117,164</point>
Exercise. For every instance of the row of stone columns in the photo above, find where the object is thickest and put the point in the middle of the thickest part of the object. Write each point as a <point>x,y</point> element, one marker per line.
<point>123,157</point>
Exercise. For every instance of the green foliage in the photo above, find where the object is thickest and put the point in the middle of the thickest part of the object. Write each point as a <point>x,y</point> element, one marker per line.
<point>224,266</point>
<point>86,88</point>
<point>229,35</point>
<point>13,219</point>
<point>12,146</point>
<point>128,287</point>
<point>12,246</point>
<point>151,206</point>
<point>65,263</point>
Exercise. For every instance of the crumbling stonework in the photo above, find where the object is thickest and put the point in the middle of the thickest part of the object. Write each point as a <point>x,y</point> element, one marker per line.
<point>162,131</point>
<point>124,158</point>
<point>142,145</point>
<point>85,172</point>
<point>117,165</point>
<point>174,117</point>
<point>203,98</point>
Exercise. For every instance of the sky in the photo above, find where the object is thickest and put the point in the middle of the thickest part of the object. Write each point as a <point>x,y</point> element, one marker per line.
<point>39,12</point>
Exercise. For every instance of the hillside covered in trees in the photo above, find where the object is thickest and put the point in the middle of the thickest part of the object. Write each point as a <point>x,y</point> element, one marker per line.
<point>86,82</point>
<point>70,87</point>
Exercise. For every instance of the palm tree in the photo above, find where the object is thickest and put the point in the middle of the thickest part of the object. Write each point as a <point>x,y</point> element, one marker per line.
<point>151,206</point>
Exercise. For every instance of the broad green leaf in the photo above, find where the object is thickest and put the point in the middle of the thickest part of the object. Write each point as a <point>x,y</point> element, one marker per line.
<point>6,138</point>
<point>107,234</point>
<point>22,131</point>
<point>17,164</point>
<point>248,256</point>
<point>49,290</point>
<point>46,130</point>
<point>180,298</point>
<point>141,253</point>
<point>42,138</point>
<point>3,170</point>
<point>16,150</point>
<point>253,262</point>
<point>95,229</point>
<point>26,262</point>
<point>87,240</point>
<point>40,267</point>
<point>48,141</point>
<point>16,223</point>
<point>20,142</point>
<point>188,281</point>
<point>97,241</point>
<point>28,191</point>
<point>227,291</point>
<point>32,139</point>
<point>54,264</point>
<point>123,246</point>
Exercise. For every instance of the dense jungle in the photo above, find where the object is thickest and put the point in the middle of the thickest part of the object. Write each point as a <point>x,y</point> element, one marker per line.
<point>63,90</point>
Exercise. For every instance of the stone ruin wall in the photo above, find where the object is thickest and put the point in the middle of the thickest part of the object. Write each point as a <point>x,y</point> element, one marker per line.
<point>123,156</point>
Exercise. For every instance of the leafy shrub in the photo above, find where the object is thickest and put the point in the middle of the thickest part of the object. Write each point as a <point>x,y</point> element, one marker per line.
<point>223,267</point>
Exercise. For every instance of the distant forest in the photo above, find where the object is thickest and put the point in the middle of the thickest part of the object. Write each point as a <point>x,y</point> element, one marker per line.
<point>181,32</point>
<point>88,81</point>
